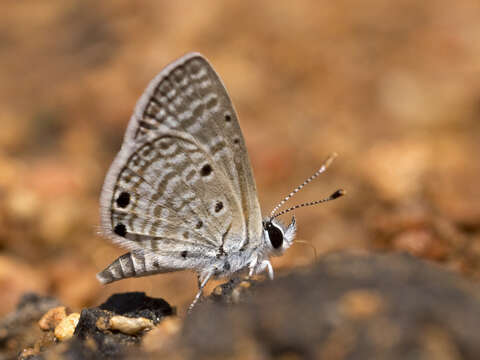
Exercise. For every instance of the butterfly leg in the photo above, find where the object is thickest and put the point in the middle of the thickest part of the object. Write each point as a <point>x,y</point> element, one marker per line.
<point>252,267</point>
<point>266,264</point>
<point>201,285</point>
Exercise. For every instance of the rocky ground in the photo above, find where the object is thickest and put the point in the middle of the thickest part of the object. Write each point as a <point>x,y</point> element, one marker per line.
<point>345,306</point>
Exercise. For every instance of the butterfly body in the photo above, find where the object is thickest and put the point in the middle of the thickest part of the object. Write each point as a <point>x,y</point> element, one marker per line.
<point>207,264</point>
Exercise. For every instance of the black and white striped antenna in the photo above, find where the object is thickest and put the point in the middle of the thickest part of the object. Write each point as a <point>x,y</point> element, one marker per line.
<point>322,169</point>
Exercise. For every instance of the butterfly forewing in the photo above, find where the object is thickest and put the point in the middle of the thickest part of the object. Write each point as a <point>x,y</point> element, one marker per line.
<point>182,180</point>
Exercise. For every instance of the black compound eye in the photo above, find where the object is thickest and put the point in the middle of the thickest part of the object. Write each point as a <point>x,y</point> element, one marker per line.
<point>274,234</point>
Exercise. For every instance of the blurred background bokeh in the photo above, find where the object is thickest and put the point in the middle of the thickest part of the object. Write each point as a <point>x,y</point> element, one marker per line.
<point>392,86</point>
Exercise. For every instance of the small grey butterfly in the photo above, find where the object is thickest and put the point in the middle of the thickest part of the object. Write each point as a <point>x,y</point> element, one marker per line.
<point>180,194</point>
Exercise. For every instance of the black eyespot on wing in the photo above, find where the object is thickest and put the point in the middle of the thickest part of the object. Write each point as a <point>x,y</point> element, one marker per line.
<point>228,117</point>
<point>218,206</point>
<point>120,230</point>
<point>236,141</point>
<point>199,224</point>
<point>184,254</point>
<point>274,234</point>
<point>206,170</point>
<point>123,199</point>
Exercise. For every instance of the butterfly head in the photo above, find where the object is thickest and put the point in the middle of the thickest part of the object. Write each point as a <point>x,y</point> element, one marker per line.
<point>277,236</point>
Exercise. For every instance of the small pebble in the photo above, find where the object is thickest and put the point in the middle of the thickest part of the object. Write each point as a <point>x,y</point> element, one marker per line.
<point>52,318</point>
<point>239,290</point>
<point>245,284</point>
<point>218,291</point>
<point>65,329</point>
<point>130,326</point>
<point>102,323</point>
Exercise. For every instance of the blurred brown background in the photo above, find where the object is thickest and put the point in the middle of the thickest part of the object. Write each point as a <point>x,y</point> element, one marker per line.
<point>392,86</point>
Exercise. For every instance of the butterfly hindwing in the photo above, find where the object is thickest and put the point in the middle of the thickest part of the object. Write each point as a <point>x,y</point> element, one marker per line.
<point>173,191</point>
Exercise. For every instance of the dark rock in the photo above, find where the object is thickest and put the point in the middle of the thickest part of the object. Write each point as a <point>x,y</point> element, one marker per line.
<point>346,307</point>
<point>233,291</point>
<point>78,350</point>
<point>109,344</point>
<point>30,309</point>
<point>19,329</point>
<point>137,304</point>
<point>112,344</point>
<point>20,334</point>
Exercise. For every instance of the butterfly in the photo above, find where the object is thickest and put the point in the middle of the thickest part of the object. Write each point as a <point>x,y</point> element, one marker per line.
<point>180,194</point>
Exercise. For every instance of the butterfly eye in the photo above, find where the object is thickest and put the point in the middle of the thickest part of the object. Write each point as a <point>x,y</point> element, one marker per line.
<point>275,235</point>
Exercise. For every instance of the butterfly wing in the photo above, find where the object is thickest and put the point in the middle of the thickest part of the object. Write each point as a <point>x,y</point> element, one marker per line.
<point>182,180</point>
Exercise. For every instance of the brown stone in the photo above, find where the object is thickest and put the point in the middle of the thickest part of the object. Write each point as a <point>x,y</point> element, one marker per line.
<point>65,329</point>
<point>130,326</point>
<point>52,318</point>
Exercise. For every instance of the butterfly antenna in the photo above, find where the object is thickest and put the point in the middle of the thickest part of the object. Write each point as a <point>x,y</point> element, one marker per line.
<point>324,167</point>
<point>335,195</point>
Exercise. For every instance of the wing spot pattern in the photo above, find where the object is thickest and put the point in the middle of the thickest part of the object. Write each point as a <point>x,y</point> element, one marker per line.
<point>163,184</point>
<point>217,146</point>
<point>190,176</point>
<point>198,111</point>
<point>171,94</point>
<point>195,66</point>
<point>146,124</point>
<point>123,199</point>
<point>178,101</point>
<point>218,206</point>
<point>166,87</point>
<point>212,102</point>
<point>206,170</point>
<point>120,230</point>
<point>171,122</point>
<point>179,74</point>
